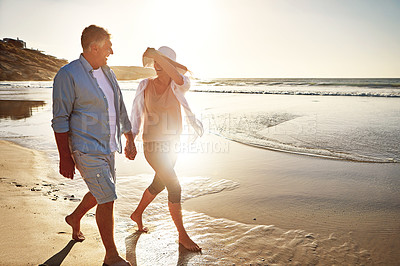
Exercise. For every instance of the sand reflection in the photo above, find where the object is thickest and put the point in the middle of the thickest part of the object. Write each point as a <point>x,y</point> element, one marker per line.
<point>17,109</point>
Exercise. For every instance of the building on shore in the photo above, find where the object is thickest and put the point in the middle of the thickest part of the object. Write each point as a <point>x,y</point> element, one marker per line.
<point>17,43</point>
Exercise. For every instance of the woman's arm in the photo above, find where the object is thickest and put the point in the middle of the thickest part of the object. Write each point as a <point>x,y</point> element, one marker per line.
<point>138,108</point>
<point>167,65</point>
<point>176,64</point>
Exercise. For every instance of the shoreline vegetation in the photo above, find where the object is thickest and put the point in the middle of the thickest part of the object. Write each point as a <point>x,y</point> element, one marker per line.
<point>21,64</point>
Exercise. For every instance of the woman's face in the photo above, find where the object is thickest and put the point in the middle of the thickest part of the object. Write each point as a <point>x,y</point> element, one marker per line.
<point>158,69</point>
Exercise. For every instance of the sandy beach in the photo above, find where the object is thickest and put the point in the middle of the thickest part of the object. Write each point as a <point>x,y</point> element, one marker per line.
<point>230,228</point>
<point>288,114</point>
<point>32,217</point>
<point>243,205</point>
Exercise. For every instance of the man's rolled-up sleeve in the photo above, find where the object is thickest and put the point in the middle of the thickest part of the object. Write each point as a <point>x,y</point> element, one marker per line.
<point>63,100</point>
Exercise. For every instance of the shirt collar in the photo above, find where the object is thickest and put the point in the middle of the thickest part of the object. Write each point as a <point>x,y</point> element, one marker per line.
<point>85,63</point>
<point>89,68</point>
<point>105,68</point>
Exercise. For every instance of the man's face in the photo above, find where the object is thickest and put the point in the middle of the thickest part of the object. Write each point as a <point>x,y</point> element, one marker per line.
<point>103,52</point>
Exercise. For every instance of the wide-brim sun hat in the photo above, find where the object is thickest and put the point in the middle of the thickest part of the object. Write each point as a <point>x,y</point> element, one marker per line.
<point>168,52</point>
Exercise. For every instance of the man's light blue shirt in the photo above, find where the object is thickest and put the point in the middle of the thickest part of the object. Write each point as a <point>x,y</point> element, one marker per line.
<point>80,107</point>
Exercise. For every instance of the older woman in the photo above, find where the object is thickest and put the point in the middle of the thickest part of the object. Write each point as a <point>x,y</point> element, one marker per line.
<point>157,107</point>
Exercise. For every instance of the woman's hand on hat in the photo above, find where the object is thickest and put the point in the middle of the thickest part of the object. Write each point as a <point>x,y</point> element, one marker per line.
<point>150,52</point>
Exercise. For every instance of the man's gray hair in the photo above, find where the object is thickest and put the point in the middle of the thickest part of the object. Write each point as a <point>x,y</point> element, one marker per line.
<point>94,34</point>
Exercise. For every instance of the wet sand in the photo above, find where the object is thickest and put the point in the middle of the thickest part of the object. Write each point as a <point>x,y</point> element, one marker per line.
<point>351,201</point>
<point>242,205</point>
<point>350,209</point>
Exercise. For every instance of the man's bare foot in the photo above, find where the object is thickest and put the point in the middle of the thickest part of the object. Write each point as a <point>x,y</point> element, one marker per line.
<point>116,261</point>
<point>137,218</point>
<point>76,231</point>
<point>188,243</point>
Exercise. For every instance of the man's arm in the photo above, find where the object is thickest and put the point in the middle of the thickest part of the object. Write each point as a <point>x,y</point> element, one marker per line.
<point>67,164</point>
<point>130,149</point>
<point>123,114</point>
<point>63,98</point>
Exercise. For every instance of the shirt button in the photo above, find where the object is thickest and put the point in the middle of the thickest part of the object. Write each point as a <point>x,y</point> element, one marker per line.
<point>105,97</point>
<point>98,175</point>
<point>109,135</point>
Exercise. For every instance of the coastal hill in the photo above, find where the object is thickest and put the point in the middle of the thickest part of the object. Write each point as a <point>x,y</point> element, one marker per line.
<point>20,64</point>
<point>132,72</point>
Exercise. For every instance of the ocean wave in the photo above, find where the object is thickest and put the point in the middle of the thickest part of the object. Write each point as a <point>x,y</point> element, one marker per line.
<point>26,85</point>
<point>296,135</point>
<point>370,83</point>
<point>314,152</point>
<point>324,87</point>
<point>391,94</point>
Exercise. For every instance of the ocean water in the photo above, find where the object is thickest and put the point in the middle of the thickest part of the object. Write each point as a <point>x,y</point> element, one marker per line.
<point>329,86</point>
<point>361,123</point>
<point>350,120</point>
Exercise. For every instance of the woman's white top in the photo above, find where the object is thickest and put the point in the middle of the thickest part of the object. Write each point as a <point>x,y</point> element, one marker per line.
<point>179,92</point>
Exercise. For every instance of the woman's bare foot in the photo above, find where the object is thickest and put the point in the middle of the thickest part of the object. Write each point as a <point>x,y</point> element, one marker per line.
<point>116,261</point>
<point>76,231</point>
<point>188,243</point>
<point>137,218</point>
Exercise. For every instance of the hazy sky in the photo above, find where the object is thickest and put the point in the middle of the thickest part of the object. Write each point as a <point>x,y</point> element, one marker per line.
<point>223,38</point>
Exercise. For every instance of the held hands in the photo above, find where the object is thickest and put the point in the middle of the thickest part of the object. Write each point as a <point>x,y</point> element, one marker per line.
<point>130,150</point>
<point>67,167</point>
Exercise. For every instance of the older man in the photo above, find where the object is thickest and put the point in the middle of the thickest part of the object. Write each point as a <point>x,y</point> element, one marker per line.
<point>89,117</point>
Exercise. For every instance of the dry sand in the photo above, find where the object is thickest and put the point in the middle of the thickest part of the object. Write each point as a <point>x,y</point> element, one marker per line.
<point>32,223</point>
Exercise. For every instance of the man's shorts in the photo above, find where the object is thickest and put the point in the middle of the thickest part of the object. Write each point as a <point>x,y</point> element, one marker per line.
<point>98,171</point>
